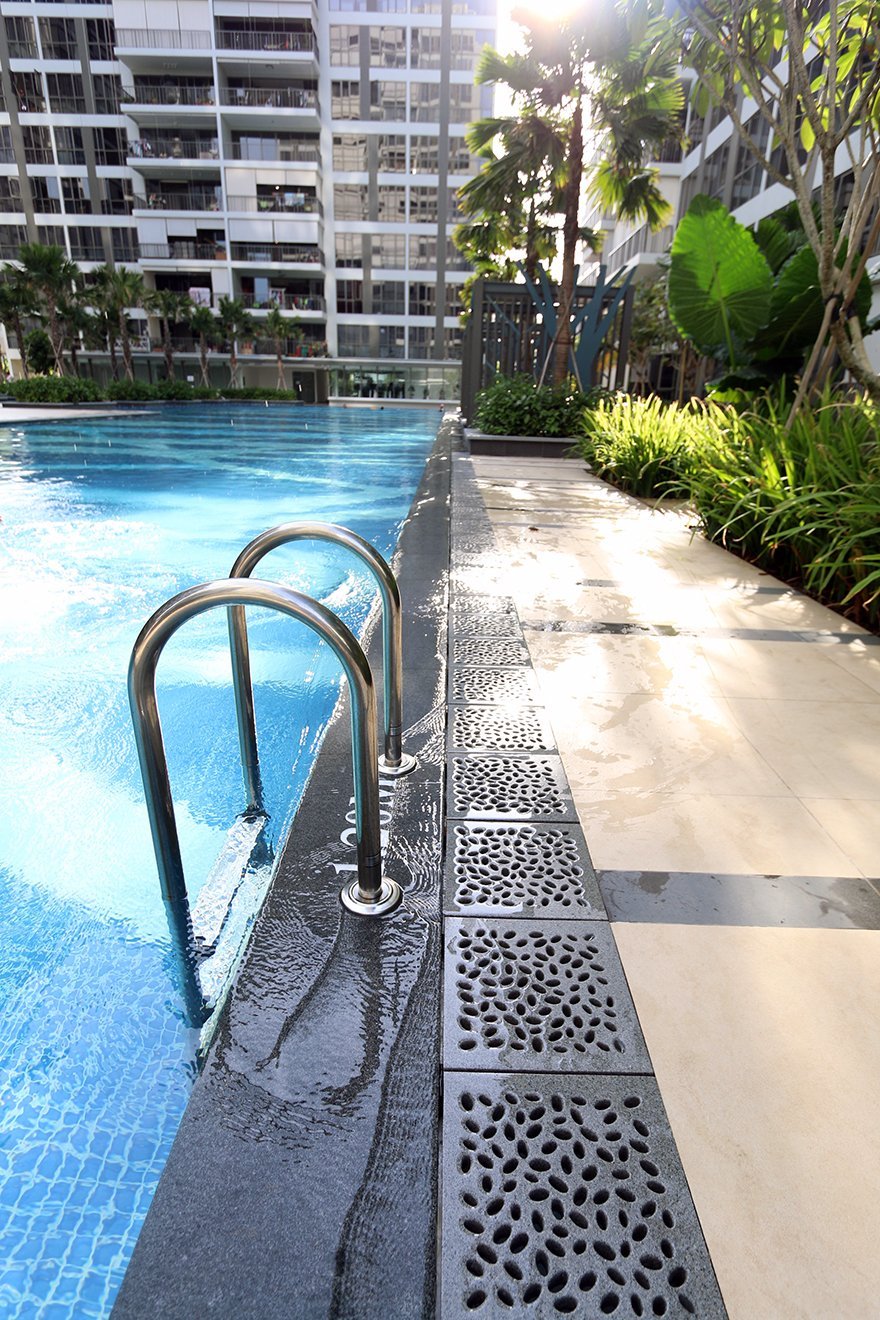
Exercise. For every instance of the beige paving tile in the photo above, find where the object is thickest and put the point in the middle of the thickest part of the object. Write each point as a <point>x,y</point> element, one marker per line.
<point>858,659</point>
<point>680,742</point>
<point>802,671</point>
<point>766,1044</point>
<point>855,826</point>
<point>820,748</point>
<point>789,611</point>
<point>591,664</point>
<point>694,832</point>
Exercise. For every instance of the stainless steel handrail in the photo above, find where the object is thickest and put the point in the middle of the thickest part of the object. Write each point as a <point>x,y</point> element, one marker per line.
<point>371,892</point>
<point>394,761</point>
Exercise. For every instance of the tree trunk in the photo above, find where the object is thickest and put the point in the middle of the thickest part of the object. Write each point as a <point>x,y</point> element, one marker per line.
<point>854,358</point>
<point>167,349</point>
<point>570,231</point>
<point>126,345</point>
<point>203,359</point>
<point>281,382</point>
<point>114,364</point>
<point>233,367</point>
<point>55,336</point>
<point>19,335</point>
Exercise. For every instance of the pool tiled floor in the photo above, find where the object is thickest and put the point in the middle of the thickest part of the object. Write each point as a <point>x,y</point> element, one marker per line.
<point>725,744</point>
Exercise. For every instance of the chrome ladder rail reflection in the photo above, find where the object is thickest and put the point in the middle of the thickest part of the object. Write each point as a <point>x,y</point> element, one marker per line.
<point>370,893</point>
<point>395,761</point>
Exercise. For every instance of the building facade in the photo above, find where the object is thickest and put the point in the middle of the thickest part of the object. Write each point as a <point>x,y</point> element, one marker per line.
<point>277,151</point>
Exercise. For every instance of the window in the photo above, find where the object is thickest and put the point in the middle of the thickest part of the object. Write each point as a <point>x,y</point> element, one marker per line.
<point>101,37</point>
<point>350,201</point>
<point>46,195</point>
<point>11,239</point>
<point>345,100</point>
<point>425,102</point>
<point>350,296</point>
<point>453,206</point>
<point>423,253</point>
<point>10,193</point>
<point>421,341</point>
<point>354,341</point>
<point>460,159</point>
<point>425,47</point>
<point>423,205</point>
<point>388,47</point>
<point>392,154</point>
<point>715,172</point>
<point>455,260</point>
<point>392,343</point>
<point>452,300</point>
<point>66,93</point>
<point>51,236</point>
<point>116,198</point>
<point>388,251</point>
<point>466,46</point>
<point>69,146</point>
<point>85,244</point>
<point>350,249</point>
<point>422,300</point>
<point>749,172</point>
<point>452,342</point>
<point>58,38</point>
<point>392,204</point>
<point>125,245</point>
<point>468,102</point>
<point>21,38</point>
<point>77,199</point>
<point>349,151</point>
<point>110,146</point>
<point>424,156</point>
<point>387,100</point>
<point>344,44</point>
<point>37,144</point>
<point>389,298</point>
<point>108,91</point>
<point>7,154</point>
<point>28,91</point>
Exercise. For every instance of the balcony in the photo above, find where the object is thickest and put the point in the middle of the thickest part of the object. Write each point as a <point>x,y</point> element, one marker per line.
<point>296,203</point>
<point>642,241</point>
<point>177,201</point>
<point>183,251</point>
<point>174,148</point>
<point>287,302</point>
<point>270,98</point>
<point>288,150</point>
<point>280,41</point>
<point>155,102</point>
<point>161,39</point>
<point>268,254</point>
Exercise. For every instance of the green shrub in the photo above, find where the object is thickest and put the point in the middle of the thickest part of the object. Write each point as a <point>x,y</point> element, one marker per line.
<point>134,391</point>
<point>246,392</point>
<point>54,389</point>
<point>648,447</point>
<point>517,406</point>
<point>38,352</point>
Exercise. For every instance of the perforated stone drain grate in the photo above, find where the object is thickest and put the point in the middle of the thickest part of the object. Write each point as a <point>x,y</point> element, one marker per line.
<point>565,1196</point>
<point>508,788</point>
<point>500,729</point>
<point>492,623</point>
<point>513,869</point>
<point>495,685</point>
<point>542,995</point>
<point>479,651</point>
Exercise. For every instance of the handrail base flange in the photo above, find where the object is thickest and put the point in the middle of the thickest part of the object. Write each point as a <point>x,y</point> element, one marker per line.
<point>390,896</point>
<point>406,766</point>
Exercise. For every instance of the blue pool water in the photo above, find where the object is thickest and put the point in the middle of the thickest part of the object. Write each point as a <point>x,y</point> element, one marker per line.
<point>102,520</point>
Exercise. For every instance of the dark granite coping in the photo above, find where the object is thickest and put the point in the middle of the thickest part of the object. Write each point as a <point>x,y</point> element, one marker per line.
<point>318,1104</point>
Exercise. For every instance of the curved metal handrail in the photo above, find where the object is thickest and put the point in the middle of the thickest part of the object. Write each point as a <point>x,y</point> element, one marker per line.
<point>370,892</point>
<point>394,761</point>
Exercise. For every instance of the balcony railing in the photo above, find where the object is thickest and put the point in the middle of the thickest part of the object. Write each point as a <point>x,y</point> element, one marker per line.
<point>287,302</point>
<point>191,201</point>
<point>274,40</point>
<point>161,39</point>
<point>174,148</point>
<point>169,95</point>
<point>296,202</point>
<point>268,253</point>
<point>281,149</point>
<point>183,251</point>
<point>643,240</point>
<point>273,98</point>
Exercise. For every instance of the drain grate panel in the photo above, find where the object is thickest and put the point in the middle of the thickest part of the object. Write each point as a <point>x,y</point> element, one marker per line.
<point>520,870</point>
<point>489,624</point>
<point>490,686</point>
<point>538,995</point>
<point>509,788</point>
<point>566,1196</point>
<point>481,651</point>
<point>500,729</point>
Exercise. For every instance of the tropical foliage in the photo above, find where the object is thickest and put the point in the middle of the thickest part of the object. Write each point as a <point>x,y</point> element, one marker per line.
<point>517,406</point>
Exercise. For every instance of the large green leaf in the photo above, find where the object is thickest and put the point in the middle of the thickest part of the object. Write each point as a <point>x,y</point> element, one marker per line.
<point>719,280</point>
<point>797,309</point>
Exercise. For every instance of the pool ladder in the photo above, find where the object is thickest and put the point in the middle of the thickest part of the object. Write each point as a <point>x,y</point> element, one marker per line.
<point>371,893</point>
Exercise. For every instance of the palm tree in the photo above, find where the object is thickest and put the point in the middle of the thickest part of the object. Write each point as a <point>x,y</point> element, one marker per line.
<point>277,328</point>
<point>118,290</point>
<point>80,325</point>
<point>235,320</point>
<point>16,303</point>
<point>52,276</point>
<point>170,306</point>
<point>623,68</point>
<point>203,323</point>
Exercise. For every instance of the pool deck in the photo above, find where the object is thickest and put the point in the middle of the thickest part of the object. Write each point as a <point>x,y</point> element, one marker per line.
<point>14,415</point>
<point>720,735</point>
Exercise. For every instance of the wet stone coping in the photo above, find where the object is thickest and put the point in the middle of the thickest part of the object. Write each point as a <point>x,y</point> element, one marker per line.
<point>303,1178</point>
<point>563,1192</point>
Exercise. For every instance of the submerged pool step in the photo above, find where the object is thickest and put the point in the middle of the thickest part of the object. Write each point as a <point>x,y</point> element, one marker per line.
<point>228,901</point>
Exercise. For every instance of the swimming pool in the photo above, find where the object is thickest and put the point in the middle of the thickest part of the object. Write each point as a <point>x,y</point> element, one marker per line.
<point>102,521</point>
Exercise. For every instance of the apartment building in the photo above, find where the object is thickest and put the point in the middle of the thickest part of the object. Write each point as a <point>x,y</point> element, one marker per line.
<point>278,151</point>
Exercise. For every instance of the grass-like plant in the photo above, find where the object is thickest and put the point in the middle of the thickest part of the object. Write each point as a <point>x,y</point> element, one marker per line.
<point>648,447</point>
